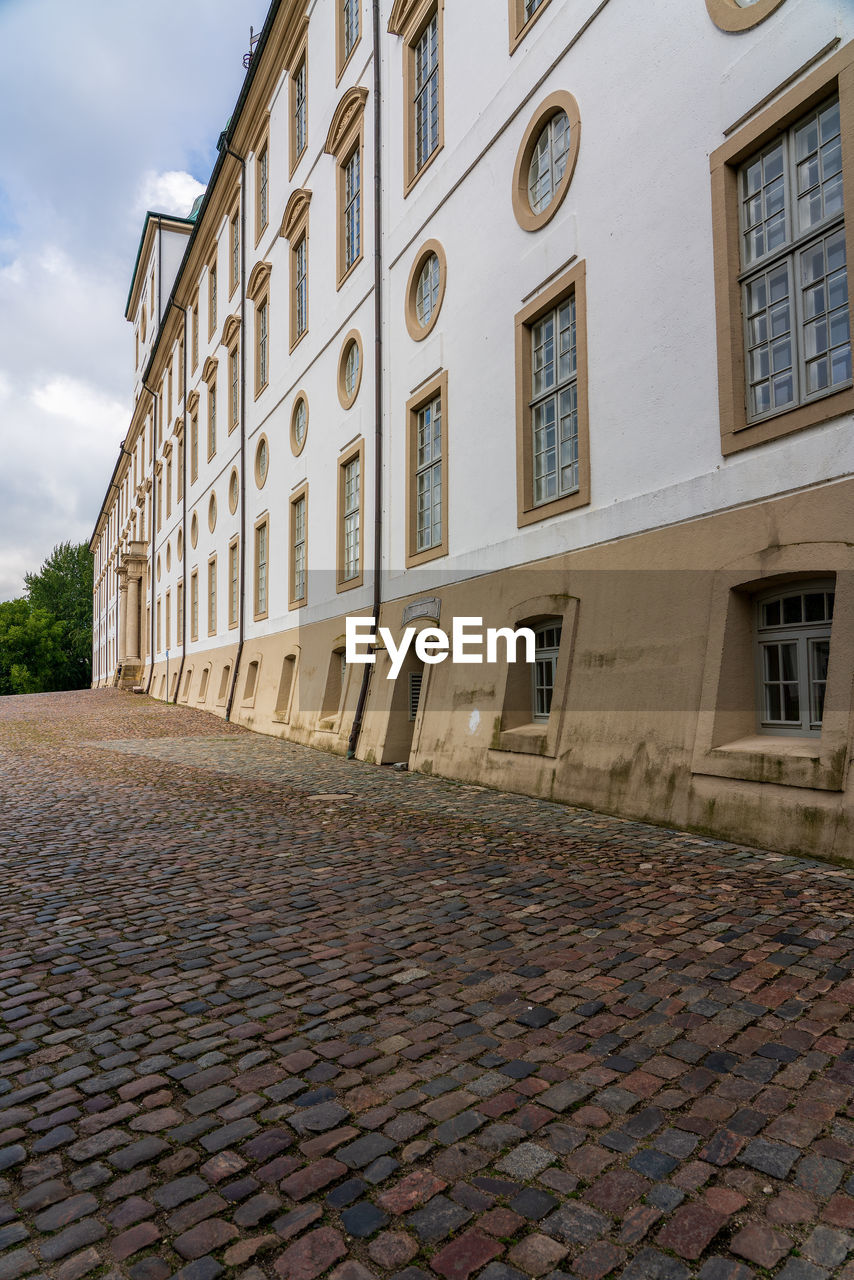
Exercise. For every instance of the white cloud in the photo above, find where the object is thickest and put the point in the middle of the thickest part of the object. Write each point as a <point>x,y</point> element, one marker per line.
<point>170,192</point>
<point>82,404</point>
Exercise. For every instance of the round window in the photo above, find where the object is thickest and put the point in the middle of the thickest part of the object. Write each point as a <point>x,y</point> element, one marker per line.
<point>262,462</point>
<point>158,568</point>
<point>425,289</point>
<point>194,529</point>
<point>740,15</point>
<point>233,491</point>
<point>546,160</point>
<point>299,424</point>
<point>212,513</point>
<point>350,369</point>
<point>179,545</point>
<point>168,556</point>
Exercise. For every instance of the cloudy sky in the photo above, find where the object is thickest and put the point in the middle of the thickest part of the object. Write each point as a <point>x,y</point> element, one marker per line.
<point>109,109</point>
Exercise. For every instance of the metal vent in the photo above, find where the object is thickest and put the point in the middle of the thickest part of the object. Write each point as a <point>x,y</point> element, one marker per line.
<point>414,692</point>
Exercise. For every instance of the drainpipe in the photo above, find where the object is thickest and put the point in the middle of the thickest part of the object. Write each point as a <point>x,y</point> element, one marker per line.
<point>378,378</point>
<point>241,633</point>
<point>183,311</point>
<point>153,395</point>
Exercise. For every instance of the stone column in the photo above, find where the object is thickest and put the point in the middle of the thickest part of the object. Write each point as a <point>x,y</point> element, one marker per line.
<point>123,614</point>
<point>132,620</point>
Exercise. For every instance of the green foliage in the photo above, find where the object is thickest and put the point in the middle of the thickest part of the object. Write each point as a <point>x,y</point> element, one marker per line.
<point>46,636</point>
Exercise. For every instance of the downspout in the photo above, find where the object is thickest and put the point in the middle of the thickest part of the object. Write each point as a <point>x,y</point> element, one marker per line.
<point>241,633</point>
<point>183,311</point>
<point>378,379</point>
<point>153,395</point>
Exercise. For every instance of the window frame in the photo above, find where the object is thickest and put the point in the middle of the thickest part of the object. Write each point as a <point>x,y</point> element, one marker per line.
<point>519,25</point>
<point>571,283</point>
<point>352,340</point>
<point>298,66</point>
<point>262,343</point>
<point>346,141</point>
<point>213,300</point>
<point>560,100</point>
<point>411,28</point>
<point>416,330</point>
<point>354,452</point>
<point>259,612</point>
<point>194,605</point>
<point>729,15</point>
<point>343,55</point>
<point>836,76</point>
<point>801,635</point>
<point>234,249</point>
<point>297,446</point>
<point>211,384</point>
<point>233,582</point>
<point>435,389</point>
<point>299,495</point>
<point>543,653</point>
<point>212,595</point>
<point>262,182</point>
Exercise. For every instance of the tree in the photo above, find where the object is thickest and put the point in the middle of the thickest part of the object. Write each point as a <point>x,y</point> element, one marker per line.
<point>33,649</point>
<point>62,589</point>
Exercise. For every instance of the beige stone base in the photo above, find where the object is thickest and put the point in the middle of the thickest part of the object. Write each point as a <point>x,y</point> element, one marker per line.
<point>654,709</point>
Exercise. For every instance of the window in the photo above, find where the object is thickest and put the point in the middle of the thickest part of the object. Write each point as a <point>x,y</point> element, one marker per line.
<point>262,320</point>
<point>234,250</point>
<point>423,135</point>
<point>168,619</point>
<point>194,327</point>
<point>212,298</point>
<point>261,532</point>
<point>212,512</point>
<point>194,529</point>
<point>348,31</point>
<point>551,400</point>
<point>233,490</point>
<point>300,268</point>
<point>345,141</point>
<point>262,462</point>
<point>295,230</point>
<point>523,14</point>
<point>181,367</point>
<point>234,388</point>
<point>194,446</point>
<point>783,311</point>
<point>194,605</point>
<point>546,650</point>
<point>168,486</point>
<point>261,190</point>
<point>179,613</point>
<point>739,15</point>
<point>795,284</point>
<point>350,570</point>
<point>793,638</point>
<point>352,210</point>
<point>350,369</point>
<point>425,290</point>
<point>180,446</point>
<point>233,582</point>
<point>169,393</point>
<point>427,520</point>
<point>212,596</point>
<point>298,105</point>
<point>212,417</point>
<point>159,645</point>
<point>299,424</point>
<point>545,161</point>
<point>299,543</point>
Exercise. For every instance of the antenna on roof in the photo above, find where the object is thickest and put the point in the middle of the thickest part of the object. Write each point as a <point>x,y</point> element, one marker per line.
<point>253,40</point>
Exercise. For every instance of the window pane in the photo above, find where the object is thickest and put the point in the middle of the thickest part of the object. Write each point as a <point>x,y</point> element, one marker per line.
<point>548,162</point>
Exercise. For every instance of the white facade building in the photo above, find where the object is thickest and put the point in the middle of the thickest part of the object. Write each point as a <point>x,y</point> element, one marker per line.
<point>558,336</point>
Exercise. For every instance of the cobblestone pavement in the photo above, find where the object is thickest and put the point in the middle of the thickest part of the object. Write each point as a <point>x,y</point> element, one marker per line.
<point>269,1014</point>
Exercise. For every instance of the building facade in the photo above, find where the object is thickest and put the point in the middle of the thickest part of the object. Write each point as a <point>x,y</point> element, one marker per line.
<point>535,314</point>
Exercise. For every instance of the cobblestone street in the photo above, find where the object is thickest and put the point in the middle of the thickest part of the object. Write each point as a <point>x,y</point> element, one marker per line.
<point>267,1013</point>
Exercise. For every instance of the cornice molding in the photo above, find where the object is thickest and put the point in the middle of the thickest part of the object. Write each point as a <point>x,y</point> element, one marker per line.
<point>349,109</point>
<point>295,211</point>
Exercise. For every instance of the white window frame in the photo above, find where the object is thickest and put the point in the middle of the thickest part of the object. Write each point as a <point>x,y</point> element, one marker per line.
<point>801,639</point>
<point>547,636</point>
<point>351,504</point>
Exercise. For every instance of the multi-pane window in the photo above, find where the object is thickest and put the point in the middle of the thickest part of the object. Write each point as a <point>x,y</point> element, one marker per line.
<point>234,388</point>
<point>263,319</point>
<point>301,287</point>
<point>427,290</point>
<point>548,162</point>
<point>233,563</point>
<point>300,109</point>
<point>428,475</point>
<point>350,26</point>
<point>194,447</point>
<point>212,596</point>
<point>261,568</point>
<point>235,249</point>
<point>263,202</point>
<point>195,334</point>
<point>426,91</point>
<point>793,635</point>
<point>794,272</point>
<point>351,370</point>
<point>299,549</point>
<point>180,492</point>
<point>546,649</point>
<point>211,419</point>
<point>350,506</point>
<point>179,613</point>
<point>168,487</point>
<point>554,403</point>
<point>352,209</point>
<point>300,422</point>
<point>212,304</point>
<point>168,620</point>
<point>531,7</point>
<point>194,606</point>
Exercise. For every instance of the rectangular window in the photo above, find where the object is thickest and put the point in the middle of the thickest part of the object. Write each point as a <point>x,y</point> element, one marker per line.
<point>180,447</point>
<point>300,270</point>
<point>169,394</point>
<point>262,317</point>
<point>352,210</point>
<point>234,389</point>
<point>551,400</point>
<point>194,447</point>
<point>544,670</point>
<point>194,328</point>
<point>211,419</point>
<point>427,523</point>
<point>794,272</point>
<point>168,487</point>
<point>350,569</point>
<point>261,530</point>
<point>299,111</point>
<point>212,300</point>
<point>160,501</point>
<point>212,596</point>
<point>179,613</point>
<point>299,546</point>
<point>168,620</point>
<point>158,625</point>
<point>522,15</point>
<point>194,605</point>
<point>426,93</point>
<point>347,31</point>
<point>261,190</point>
<point>793,636</point>
<point>181,368</point>
<point>234,256</point>
<point>233,582</point>
<point>783,307</point>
